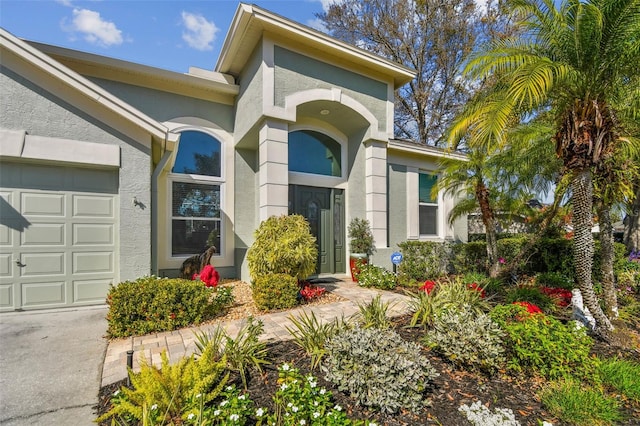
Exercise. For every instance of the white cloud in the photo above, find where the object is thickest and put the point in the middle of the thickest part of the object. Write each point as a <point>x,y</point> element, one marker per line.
<point>66,3</point>
<point>327,3</point>
<point>199,33</point>
<point>95,29</point>
<point>317,24</point>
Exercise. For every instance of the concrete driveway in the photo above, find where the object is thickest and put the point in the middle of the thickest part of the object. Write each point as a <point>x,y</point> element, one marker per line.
<point>51,365</point>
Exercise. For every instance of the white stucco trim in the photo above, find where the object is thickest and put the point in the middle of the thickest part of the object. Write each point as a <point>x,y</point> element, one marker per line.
<point>19,145</point>
<point>273,176</point>
<point>334,95</point>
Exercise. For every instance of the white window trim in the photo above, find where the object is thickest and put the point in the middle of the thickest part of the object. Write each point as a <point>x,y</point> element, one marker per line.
<point>224,255</point>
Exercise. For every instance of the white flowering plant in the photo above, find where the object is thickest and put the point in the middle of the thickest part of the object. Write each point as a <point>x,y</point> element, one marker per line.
<point>299,400</point>
<point>234,408</point>
<point>479,415</point>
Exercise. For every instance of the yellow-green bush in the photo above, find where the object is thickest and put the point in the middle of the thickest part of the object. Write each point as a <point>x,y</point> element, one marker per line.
<point>283,245</point>
<point>275,291</point>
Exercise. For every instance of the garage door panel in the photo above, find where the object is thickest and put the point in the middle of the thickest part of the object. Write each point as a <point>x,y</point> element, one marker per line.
<point>93,206</point>
<point>36,204</point>
<point>95,262</point>
<point>38,264</point>
<point>39,234</point>
<point>5,233</point>
<point>6,267</point>
<point>43,293</point>
<point>6,297</point>
<point>90,290</point>
<point>93,234</point>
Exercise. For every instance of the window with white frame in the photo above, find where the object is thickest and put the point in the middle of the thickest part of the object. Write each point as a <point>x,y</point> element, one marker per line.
<point>427,204</point>
<point>196,187</point>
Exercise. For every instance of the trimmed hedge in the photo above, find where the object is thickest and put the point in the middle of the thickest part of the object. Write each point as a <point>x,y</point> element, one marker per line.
<point>151,304</point>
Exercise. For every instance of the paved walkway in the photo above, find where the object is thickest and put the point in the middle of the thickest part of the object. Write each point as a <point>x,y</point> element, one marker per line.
<point>180,343</point>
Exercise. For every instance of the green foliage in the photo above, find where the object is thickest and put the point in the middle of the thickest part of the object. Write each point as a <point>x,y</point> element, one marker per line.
<point>422,260</point>
<point>554,280</point>
<point>283,245</point>
<point>531,294</point>
<point>243,352</point>
<point>373,314</point>
<point>369,275</point>
<point>234,408</point>
<point>378,369</point>
<point>468,339</point>
<point>172,392</point>
<point>300,401</point>
<point>151,304</point>
<point>621,376</point>
<point>469,257</point>
<point>543,345</point>
<point>451,295</point>
<point>311,335</point>
<point>360,237</point>
<point>572,402</point>
<point>275,291</point>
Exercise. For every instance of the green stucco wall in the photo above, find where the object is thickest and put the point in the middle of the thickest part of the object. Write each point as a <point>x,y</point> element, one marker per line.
<point>163,106</point>
<point>250,98</point>
<point>295,73</point>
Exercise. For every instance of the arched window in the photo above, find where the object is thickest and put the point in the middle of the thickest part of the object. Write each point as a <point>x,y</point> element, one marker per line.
<point>314,152</point>
<point>196,187</point>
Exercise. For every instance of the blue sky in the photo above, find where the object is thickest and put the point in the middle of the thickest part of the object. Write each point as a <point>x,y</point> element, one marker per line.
<point>168,34</point>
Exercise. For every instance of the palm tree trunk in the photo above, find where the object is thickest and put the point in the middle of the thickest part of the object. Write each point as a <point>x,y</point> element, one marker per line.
<point>582,200</point>
<point>607,258</point>
<point>488,219</point>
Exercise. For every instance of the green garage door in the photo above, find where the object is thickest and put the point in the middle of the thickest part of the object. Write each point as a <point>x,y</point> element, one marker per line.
<point>58,235</point>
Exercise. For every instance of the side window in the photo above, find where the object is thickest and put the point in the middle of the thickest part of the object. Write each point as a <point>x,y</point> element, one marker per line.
<point>196,188</point>
<point>315,153</point>
<point>428,205</point>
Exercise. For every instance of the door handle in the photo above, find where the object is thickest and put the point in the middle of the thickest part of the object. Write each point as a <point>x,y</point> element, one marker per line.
<point>20,264</point>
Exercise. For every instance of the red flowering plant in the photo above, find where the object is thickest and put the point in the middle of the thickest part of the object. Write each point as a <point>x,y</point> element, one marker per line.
<point>310,292</point>
<point>428,286</point>
<point>561,296</point>
<point>477,287</point>
<point>530,307</point>
<point>209,276</point>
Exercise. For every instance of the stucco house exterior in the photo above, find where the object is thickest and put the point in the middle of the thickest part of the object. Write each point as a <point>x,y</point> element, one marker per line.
<point>111,170</point>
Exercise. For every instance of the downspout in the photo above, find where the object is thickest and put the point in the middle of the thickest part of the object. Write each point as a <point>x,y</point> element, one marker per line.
<point>154,202</point>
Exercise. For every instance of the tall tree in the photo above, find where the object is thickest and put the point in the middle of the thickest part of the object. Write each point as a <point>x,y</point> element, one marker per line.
<point>431,36</point>
<point>577,61</point>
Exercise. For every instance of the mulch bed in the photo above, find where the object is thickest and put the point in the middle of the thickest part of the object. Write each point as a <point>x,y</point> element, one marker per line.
<point>450,390</point>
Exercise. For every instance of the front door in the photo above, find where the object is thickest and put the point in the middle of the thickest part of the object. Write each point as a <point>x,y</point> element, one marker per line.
<point>324,210</point>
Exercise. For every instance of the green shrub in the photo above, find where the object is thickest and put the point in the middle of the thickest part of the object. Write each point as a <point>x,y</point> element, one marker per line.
<point>243,352</point>
<point>171,392</point>
<point>542,345</point>
<point>151,304</point>
<point>450,295</point>
<point>423,260</point>
<point>469,257</point>
<point>468,339</point>
<point>283,245</point>
<point>553,255</point>
<point>572,402</point>
<point>508,248</point>
<point>554,280</point>
<point>531,294</point>
<point>275,291</point>
<point>621,376</point>
<point>378,369</point>
<point>369,275</point>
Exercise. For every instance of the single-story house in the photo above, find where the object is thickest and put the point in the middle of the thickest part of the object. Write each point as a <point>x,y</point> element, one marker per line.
<point>111,170</point>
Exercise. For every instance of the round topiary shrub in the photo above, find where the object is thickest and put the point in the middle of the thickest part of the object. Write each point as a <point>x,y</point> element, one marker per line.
<point>275,291</point>
<point>283,245</point>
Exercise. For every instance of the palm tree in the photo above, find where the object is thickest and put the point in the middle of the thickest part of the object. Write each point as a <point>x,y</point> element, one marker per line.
<point>577,62</point>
